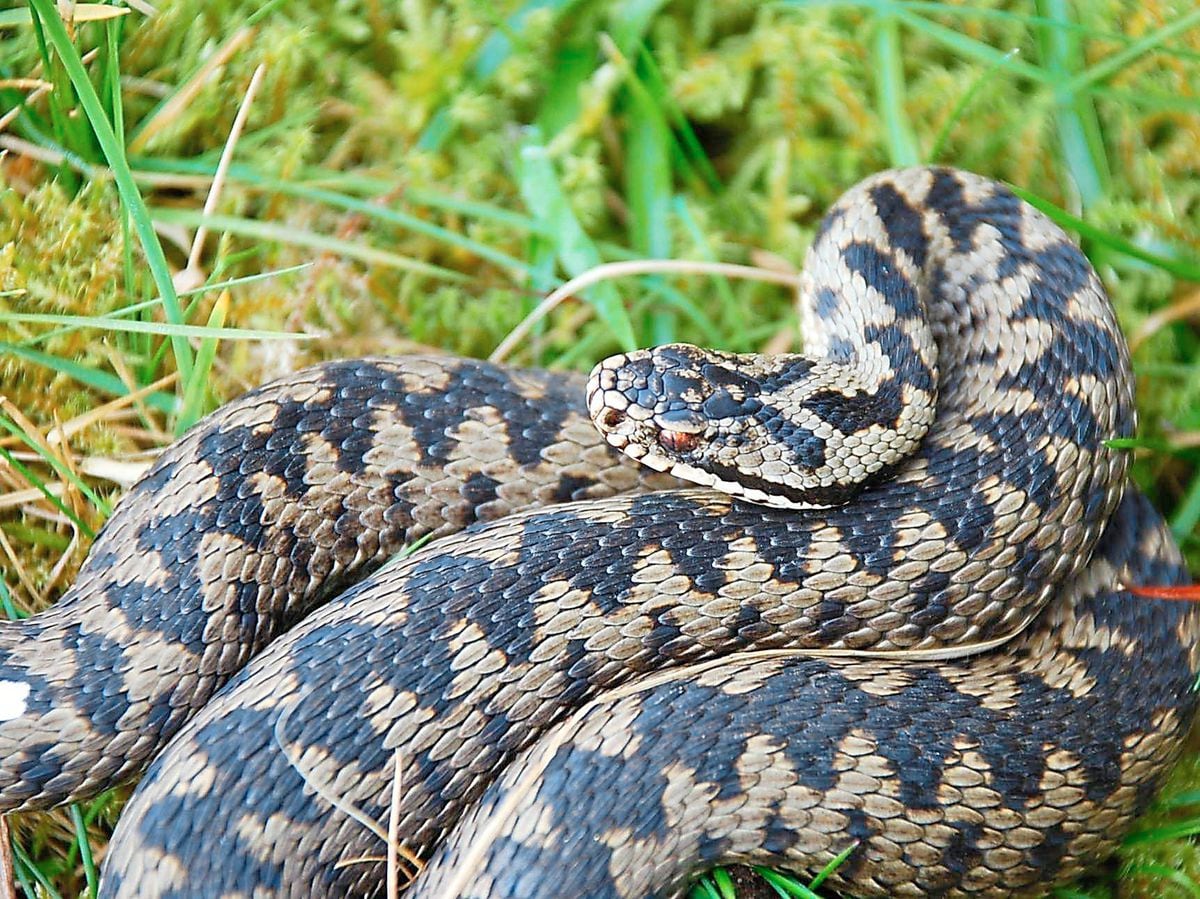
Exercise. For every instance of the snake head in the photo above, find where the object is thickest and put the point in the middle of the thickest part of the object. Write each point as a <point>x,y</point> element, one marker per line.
<point>724,420</point>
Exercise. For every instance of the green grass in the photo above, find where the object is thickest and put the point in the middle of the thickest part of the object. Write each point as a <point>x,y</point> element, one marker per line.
<point>422,174</point>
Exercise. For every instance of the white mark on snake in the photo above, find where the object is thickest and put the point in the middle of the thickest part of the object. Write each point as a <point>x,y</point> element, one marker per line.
<point>13,694</point>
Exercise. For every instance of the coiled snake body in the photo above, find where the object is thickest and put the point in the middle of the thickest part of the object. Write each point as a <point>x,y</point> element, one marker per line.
<point>602,697</point>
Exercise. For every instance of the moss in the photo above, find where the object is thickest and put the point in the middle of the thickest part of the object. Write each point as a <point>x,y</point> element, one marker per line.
<point>58,255</point>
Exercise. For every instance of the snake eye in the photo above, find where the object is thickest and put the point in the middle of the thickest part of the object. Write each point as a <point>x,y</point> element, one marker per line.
<point>678,441</point>
<point>611,418</point>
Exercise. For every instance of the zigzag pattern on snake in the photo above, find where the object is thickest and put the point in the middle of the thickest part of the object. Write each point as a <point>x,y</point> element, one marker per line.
<point>533,676</point>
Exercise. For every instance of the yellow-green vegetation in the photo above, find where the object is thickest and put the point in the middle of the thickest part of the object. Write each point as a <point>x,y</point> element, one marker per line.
<point>421,173</point>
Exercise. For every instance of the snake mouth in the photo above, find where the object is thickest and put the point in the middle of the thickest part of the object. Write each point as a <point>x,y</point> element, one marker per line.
<point>618,428</point>
<point>621,442</point>
<point>636,451</point>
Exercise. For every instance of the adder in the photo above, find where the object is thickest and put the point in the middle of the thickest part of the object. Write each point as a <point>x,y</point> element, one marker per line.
<point>893,617</point>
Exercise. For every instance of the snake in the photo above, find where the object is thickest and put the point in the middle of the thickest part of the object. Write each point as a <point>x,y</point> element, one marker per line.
<point>869,604</point>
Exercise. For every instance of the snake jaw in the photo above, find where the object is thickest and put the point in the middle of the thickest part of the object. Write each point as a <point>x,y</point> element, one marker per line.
<point>637,451</point>
<point>617,391</point>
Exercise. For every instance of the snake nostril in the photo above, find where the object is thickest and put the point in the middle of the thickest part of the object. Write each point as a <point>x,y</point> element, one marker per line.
<point>612,418</point>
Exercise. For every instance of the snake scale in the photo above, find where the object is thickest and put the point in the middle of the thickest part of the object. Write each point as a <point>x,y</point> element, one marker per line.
<point>605,681</point>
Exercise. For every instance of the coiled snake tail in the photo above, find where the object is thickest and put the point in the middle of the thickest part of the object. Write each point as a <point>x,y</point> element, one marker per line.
<point>989,777</point>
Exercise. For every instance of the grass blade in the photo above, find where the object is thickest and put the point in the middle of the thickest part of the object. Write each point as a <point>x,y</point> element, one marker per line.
<point>1162,872</point>
<point>574,249</point>
<point>137,326</point>
<point>491,55</point>
<point>114,153</point>
<point>6,603</point>
<point>404,220</point>
<point>1188,271</point>
<point>648,188</point>
<point>145,305</point>
<point>1110,65</point>
<point>572,67</point>
<point>970,48</point>
<point>85,850</point>
<point>37,482</point>
<point>834,864</point>
<point>786,885</point>
<point>692,149</point>
<point>59,468</point>
<point>1187,513</point>
<point>889,92</point>
<point>1078,128</point>
<point>964,101</point>
<point>195,392</point>
<point>315,177</point>
<point>286,234</point>
<point>22,859</point>
<point>98,380</point>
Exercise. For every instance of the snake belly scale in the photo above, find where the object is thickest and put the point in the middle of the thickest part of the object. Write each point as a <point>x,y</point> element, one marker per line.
<point>925,658</point>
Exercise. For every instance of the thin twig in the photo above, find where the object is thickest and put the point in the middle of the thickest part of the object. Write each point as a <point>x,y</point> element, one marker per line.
<point>19,569</point>
<point>26,84</point>
<point>13,411</point>
<point>394,846</point>
<point>214,192</point>
<point>318,786</point>
<point>8,888</point>
<point>393,842</point>
<point>74,13</point>
<point>98,172</point>
<point>633,267</point>
<point>64,560</point>
<point>1185,307</point>
<point>177,104</point>
<point>105,411</point>
<point>124,473</point>
<point>136,394</point>
<point>17,498</point>
<point>22,147</point>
